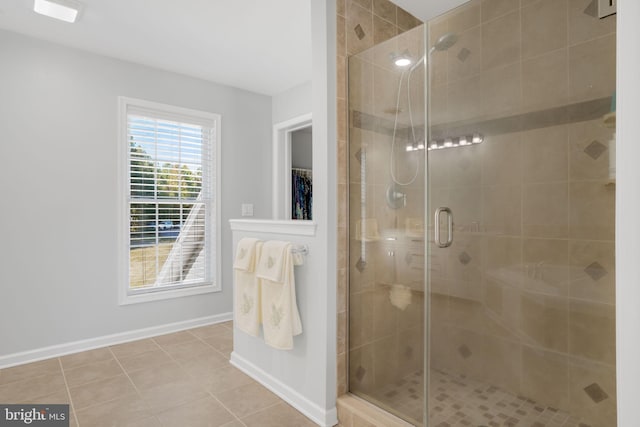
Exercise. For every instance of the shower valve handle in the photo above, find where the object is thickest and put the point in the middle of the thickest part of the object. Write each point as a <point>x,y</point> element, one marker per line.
<point>436,227</point>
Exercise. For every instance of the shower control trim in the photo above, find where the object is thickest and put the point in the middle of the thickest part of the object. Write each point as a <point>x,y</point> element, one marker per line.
<point>436,227</point>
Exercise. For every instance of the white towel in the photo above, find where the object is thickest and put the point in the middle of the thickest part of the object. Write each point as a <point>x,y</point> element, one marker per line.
<point>247,296</point>
<point>280,316</point>
<point>245,259</point>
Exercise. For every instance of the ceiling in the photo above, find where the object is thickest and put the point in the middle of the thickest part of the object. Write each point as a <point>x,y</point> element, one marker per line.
<point>427,10</point>
<point>257,45</point>
<point>263,46</point>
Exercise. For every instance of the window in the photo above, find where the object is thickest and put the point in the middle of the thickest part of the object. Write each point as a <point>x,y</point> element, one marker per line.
<point>169,172</point>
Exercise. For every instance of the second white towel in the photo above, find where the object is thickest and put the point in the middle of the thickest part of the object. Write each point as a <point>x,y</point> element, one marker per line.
<point>280,316</point>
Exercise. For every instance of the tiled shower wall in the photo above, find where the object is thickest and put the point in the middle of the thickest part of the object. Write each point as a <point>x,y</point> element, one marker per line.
<point>524,299</point>
<point>361,24</point>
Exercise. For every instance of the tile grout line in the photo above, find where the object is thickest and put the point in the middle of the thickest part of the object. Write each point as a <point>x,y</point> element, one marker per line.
<point>132,383</point>
<point>66,385</point>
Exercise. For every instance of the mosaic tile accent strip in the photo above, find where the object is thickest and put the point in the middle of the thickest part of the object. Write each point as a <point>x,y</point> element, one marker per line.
<point>595,149</point>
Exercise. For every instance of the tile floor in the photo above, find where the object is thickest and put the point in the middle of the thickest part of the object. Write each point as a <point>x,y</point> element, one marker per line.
<point>461,401</point>
<point>182,379</point>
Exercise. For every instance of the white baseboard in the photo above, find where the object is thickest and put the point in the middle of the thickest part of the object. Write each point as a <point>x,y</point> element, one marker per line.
<point>317,414</point>
<point>107,340</point>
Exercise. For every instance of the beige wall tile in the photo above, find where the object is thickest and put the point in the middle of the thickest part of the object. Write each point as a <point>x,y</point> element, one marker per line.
<point>437,59</point>
<point>545,81</point>
<point>592,331</point>
<point>546,266</point>
<point>464,17</point>
<point>342,373</point>
<point>385,10</point>
<point>361,369</point>
<point>592,210</point>
<point>466,205</point>
<point>363,3</point>
<point>592,270</point>
<point>503,364</point>
<point>544,27</point>
<point>405,20</point>
<point>360,85</point>
<point>382,29</point>
<point>544,155</point>
<point>340,9</point>
<point>465,265</point>
<point>464,168</point>
<point>501,209</point>
<point>545,377</point>
<point>501,159</point>
<point>501,41</point>
<point>501,91</point>
<point>468,352</point>
<point>601,381</point>
<point>589,152</point>
<point>583,27</point>
<point>464,97</point>
<point>464,59</point>
<point>492,9</point>
<point>359,29</point>
<point>341,41</point>
<point>360,318</point>
<point>545,209</point>
<point>592,69</point>
<point>385,90</point>
<point>544,321</point>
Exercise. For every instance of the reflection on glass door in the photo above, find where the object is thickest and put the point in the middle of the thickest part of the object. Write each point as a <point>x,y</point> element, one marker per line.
<point>521,137</point>
<point>387,207</point>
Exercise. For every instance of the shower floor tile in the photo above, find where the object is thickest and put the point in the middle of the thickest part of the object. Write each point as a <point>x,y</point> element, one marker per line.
<point>460,401</point>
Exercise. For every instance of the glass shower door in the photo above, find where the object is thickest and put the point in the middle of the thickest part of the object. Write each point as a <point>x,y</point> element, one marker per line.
<point>386,222</point>
<point>521,137</point>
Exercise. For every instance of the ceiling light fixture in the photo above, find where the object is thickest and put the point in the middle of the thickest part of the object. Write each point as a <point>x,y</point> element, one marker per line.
<point>64,10</point>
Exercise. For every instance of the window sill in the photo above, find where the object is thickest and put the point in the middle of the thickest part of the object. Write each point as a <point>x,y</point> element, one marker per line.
<point>142,297</point>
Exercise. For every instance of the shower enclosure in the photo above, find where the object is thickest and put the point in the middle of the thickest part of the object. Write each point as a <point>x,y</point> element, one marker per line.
<point>481,217</point>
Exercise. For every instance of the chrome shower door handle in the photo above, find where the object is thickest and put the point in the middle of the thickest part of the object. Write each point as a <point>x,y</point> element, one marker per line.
<point>436,227</point>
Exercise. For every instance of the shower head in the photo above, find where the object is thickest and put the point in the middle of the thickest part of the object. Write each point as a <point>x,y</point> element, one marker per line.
<point>444,42</point>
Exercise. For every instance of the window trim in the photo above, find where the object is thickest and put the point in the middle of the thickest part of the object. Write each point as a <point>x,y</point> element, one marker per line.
<point>125,296</point>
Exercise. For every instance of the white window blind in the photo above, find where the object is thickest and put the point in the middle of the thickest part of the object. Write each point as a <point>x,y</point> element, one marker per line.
<point>170,198</point>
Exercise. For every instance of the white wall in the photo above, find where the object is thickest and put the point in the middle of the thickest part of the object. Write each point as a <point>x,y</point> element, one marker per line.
<point>58,140</point>
<point>306,376</point>
<point>292,103</point>
<point>627,208</point>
